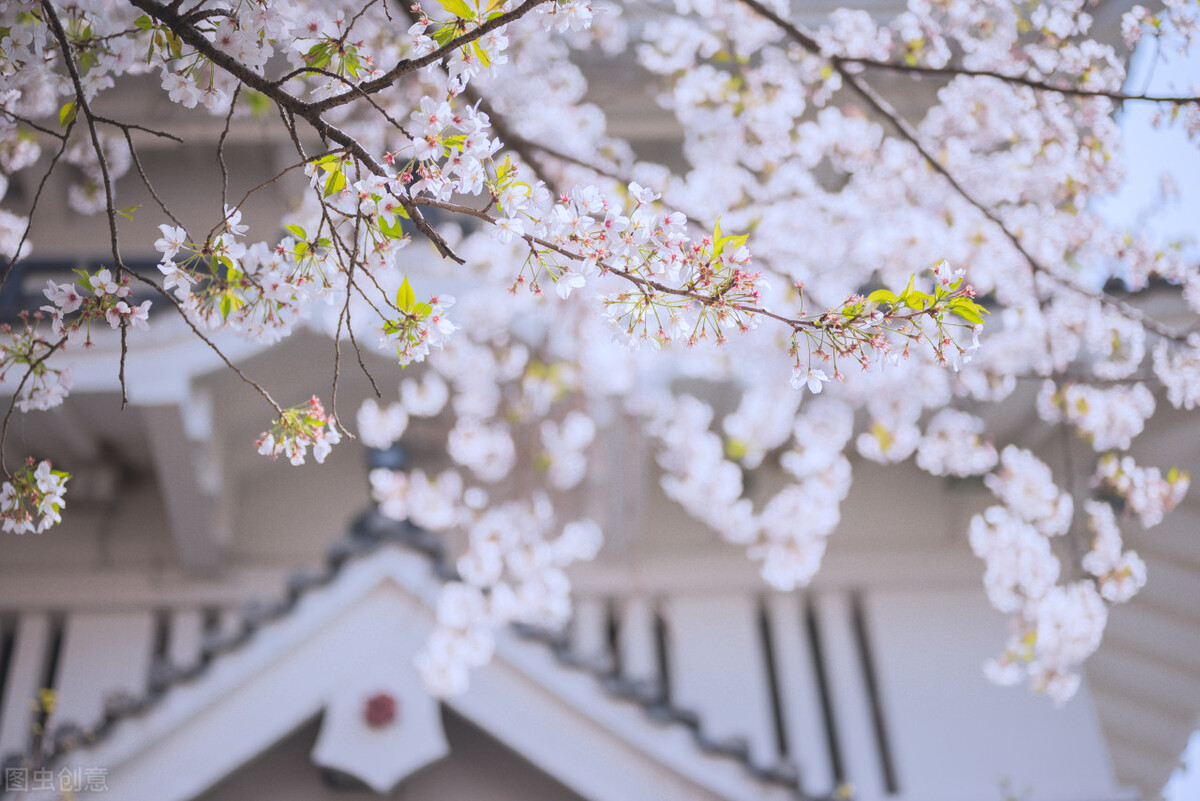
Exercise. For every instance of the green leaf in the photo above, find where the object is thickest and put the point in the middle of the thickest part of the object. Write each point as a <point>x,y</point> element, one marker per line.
<point>66,114</point>
<point>405,297</point>
<point>458,8</point>
<point>317,56</point>
<point>259,103</point>
<point>144,22</point>
<point>329,163</point>
<point>914,299</point>
<point>503,170</point>
<point>230,302</point>
<point>481,53</point>
<point>394,229</point>
<point>297,232</point>
<point>335,183</point>
<point>883,296</point>
<point>965,311</point>
<point>422,309</point>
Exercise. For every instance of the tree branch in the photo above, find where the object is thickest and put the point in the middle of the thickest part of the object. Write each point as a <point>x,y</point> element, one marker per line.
<point>106,179</point>
<point>909,134</point>
<point>410,65</point>
<point>289,102</point>
<point>1020,80</point>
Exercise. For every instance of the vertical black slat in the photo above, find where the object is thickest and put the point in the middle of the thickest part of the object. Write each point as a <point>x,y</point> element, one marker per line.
<point>814,643</point>
<point>8,642</point>
<point>53,652</point>
<point>613,635</point>
<point>211,625</point>
<point>664,657</point>
<point>877,718</point>
<point>162,634</point>
<point>49,676</point>
<point>768,649</point>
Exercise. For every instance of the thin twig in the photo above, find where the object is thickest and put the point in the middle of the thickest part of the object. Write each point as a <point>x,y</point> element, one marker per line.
<point>37,196</point>
<point>650,286</point>
<point>1020,80</point>
<point>137,163</point>
<point>221,148</point>
<point>30,123</point>
<point>12,404</point>
<point>106,179</point>
<point>130,126</point>
<point>212,345</point>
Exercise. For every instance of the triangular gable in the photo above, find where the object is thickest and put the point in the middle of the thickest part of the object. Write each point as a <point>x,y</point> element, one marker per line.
<point>356,636</point>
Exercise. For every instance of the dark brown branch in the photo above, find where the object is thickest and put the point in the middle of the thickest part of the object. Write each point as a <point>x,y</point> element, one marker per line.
<point>30,123</point>
<point>410,65</point>
<point>1019,80</point>
<point>814,324</point>
<point>130,126</point>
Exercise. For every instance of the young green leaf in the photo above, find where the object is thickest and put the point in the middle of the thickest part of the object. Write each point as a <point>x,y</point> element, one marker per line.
<point>405,297</point>
<point>458,8</point>
<point>335,183</point>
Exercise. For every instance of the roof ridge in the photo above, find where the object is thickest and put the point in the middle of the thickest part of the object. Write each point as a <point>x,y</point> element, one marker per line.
<point>370,533</point>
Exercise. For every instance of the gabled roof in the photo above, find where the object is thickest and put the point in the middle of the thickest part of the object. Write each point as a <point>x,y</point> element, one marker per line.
<point>351,632</point>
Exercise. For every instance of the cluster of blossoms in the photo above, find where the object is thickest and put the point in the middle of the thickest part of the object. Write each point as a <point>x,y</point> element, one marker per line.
<point>1144,490</point>
<point>511,570</point>
<point>93,297</point>
<point>512,566</point>
<point>32,498</point>
<point>25,351</point>
<point>510,573</point>
<point>1107,418</point>
<point>257,291</point>
<point>1119,573</point>
<point>419,327</point>
<point>298,428</point>
<point>789,533</point>
<point>1054,627</point>
<point>954,445</point>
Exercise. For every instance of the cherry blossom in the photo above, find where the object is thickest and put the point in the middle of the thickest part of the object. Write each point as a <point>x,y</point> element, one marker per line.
<point>836,269</point>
